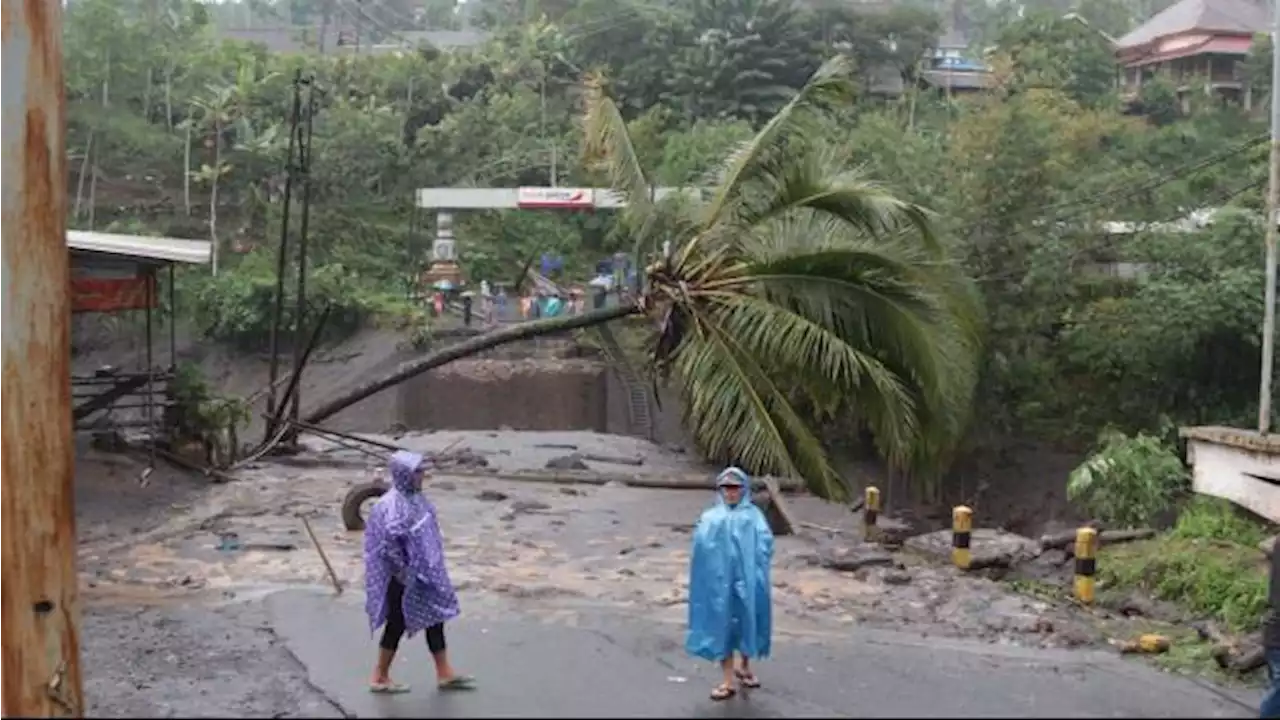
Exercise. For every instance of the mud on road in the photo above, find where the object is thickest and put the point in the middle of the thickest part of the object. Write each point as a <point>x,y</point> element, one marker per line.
<point>163,567</point>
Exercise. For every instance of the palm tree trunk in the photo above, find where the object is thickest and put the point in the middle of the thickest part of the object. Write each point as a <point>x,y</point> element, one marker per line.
<point>465,349</point>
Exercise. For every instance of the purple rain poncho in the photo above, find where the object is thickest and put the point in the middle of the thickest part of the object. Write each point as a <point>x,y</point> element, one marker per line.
<point>402,541</point>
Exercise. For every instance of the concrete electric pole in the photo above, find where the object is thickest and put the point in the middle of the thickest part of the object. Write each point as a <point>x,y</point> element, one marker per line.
<point>40,673</point>
<point>1273,217</point>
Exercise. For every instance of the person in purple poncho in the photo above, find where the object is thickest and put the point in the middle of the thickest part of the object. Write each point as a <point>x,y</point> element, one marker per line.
<point>407,587</point>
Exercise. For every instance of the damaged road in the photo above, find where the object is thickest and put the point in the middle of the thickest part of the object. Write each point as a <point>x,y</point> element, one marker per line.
<point>540,566</point>
<point>595,662</point>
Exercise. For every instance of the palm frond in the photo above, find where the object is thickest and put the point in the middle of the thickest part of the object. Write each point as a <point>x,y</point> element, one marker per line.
<point>607,144</point>
<point>917,326</point>
<point>831,84</point>
<point>818,361</point>
<point>738,413</point>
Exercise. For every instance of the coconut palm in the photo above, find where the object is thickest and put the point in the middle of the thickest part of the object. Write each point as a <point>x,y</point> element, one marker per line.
<point>797,291</point>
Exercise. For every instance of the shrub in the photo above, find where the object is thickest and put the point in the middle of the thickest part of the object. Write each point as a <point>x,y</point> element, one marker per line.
<point>1129,480</point>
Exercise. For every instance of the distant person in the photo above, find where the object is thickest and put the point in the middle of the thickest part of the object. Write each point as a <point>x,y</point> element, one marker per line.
<point>552,305</point>
<point>1271,639</point>
<point>730,604</point>
<point>407,586</point>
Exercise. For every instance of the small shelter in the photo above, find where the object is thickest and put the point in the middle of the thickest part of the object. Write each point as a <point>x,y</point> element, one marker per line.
<point>112,273</point>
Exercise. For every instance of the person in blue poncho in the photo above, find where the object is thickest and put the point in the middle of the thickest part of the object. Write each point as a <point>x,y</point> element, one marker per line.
<point>730,605</point>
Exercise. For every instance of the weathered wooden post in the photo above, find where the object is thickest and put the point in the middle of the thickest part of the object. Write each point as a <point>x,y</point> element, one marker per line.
<point>40,674</point>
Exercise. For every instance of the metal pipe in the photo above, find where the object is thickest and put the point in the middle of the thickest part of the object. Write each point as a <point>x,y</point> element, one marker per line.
<point>173,321</point>
<point>1273,217</point>
<point>39,638</point>
<point>151,373</point>
<point>277,308</point>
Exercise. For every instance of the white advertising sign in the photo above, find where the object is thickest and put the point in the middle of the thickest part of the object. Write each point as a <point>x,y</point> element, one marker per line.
<point>549,197</point>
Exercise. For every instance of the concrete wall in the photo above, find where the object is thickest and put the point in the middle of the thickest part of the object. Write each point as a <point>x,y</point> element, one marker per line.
<point>527,394</point>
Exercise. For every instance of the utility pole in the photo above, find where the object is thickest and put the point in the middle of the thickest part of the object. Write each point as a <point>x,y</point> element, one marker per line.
<point>305,132</point>
<point>282,255</point>
<point>40,674</point>
<point>1273,205</point>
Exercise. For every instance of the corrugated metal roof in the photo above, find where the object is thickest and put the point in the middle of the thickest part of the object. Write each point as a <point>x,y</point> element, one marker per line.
<point>165,249</point>
<point>1226,16</point>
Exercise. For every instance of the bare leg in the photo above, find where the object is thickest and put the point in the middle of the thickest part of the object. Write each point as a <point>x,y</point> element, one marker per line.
<point>446,677</point>
<point>747,677</point>
<point>725,689</point>
<point>382,671</point>
<point>444,671</point>
<point>390,642</point>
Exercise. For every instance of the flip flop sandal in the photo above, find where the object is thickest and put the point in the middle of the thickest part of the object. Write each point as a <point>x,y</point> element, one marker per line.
<point>461,682</point>
<point>723,692</point>
<point>747,679</point>
<point>388,689</point>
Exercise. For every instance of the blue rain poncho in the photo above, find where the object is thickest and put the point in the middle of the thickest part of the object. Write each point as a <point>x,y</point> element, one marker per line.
<point>730,608</point>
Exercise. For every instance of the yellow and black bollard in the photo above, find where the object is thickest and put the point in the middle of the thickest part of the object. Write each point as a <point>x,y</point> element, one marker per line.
<point>870,511</point>
<point>961,536</point>
<point>1086,563</point>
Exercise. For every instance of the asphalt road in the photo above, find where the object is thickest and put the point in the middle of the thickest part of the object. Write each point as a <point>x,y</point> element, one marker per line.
<point>600,664</point>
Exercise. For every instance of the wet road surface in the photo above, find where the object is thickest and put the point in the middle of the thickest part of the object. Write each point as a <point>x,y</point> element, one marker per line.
<point>596,662</point>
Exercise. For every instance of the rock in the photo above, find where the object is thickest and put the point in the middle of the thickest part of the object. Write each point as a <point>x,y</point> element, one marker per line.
<point>989,548</point>
<point>1135,605</point>
<point>529,506</point>
<point>896,577</point>
<point>1072,637</point>
<point>507,518</point>
<point>491,496</point>
<point>445,485</point>
<point>570,491</point>
<point>1266,546</point>
<point>855,558</point>
<point>1054,557</point>
<point>573,461</point>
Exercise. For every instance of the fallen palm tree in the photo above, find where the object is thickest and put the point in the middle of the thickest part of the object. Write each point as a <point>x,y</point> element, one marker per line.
<point>798,291</point>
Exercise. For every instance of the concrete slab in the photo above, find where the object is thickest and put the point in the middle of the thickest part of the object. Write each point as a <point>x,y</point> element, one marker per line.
<point>602,664</point>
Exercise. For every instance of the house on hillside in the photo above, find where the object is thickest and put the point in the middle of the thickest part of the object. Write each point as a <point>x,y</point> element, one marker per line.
<point>948,67</point>
<point>952,68</point>
<point>1198,44</point>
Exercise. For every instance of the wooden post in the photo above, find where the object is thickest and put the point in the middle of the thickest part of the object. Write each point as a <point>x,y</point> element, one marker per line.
<point>40,674</point>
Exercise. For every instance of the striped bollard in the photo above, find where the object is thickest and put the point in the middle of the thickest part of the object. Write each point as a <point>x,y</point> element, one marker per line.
<point>1086,564</point>
<point>961,536</point>
<point>870,512</point>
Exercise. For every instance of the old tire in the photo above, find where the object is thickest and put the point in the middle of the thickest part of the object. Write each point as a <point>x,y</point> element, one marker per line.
<point>353,503</point>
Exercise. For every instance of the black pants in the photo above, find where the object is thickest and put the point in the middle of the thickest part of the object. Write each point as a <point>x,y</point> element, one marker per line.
<point>394,629</point>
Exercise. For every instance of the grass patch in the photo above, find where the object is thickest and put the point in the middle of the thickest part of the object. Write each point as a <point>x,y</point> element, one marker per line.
<point>1209,564</point>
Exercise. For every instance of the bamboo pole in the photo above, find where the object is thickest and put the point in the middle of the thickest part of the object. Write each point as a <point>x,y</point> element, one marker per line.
<point>40,674</point>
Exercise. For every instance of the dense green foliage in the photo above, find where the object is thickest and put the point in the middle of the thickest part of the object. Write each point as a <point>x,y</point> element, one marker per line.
<point>174,130</point>
<point>1130,481</point>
